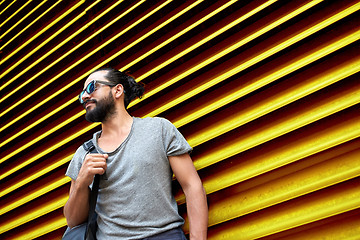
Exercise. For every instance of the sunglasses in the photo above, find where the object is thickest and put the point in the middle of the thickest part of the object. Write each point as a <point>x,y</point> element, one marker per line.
<point>91,87</point>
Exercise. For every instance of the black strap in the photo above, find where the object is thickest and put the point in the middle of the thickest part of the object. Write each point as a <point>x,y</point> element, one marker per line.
<point>91,224</point>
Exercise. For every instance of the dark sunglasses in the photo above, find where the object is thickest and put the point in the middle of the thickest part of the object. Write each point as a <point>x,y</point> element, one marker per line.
<point>91,87</point>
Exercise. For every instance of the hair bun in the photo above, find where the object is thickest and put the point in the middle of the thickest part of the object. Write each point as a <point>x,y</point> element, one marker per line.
<point>132,90</point>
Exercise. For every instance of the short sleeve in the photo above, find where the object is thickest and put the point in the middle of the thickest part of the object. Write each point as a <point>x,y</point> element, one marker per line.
<point>174,142</point>
<point>76,163</point>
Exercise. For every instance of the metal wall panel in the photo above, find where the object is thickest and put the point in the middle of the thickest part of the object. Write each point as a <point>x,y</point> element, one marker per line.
<point>267,93</point>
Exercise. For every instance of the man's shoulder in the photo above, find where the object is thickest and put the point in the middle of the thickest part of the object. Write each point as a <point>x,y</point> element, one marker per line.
<point>153,120</point>
<point>154,124</point>
<point>80,151</point>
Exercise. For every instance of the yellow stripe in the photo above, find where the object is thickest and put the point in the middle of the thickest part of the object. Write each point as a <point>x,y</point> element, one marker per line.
<point>224,52</point>
<point>57,47</point>
<point>241,19</point>
<point>276,74</point>
<point>2,2</point>
<point>59,75</point>
<point>246,64</point>
<point>37,174</point>
<point>35,213</point>
<point>305,88</point>
<point>7,7</point>
<point>238,173</point>
<point>63,106</point>
<point>82,59</point>
<point>21,20</point>
<point>35,194</point>
<point>78,79</point>
<point>29,25</point>
<point>42,136</point>
<point>289,187</point>
<point>152,32</point>
<point>321,142</point>
<point>39,59</point>
<point>348,229</point>
<point>16,12</point>
<point>172,38</point>
<point>310,210</point>
<point>292,122</point>
<point>42,229</point>
<point>291,184</point>
<point>48,150</point>
<point>63,28</point>
<point>41,32</point>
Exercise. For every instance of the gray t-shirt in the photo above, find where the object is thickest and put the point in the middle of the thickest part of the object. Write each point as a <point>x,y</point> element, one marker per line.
<point>135,198</point>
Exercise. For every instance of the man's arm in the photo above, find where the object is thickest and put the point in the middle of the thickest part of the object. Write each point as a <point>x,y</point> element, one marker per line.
<point>76,209</point>
<point>196,202</point>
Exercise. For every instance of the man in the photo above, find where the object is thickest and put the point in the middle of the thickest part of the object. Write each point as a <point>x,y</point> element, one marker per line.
<point>136,158</point>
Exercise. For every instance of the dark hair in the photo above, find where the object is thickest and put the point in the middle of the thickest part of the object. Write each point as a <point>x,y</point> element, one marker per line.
<point>132,89</point>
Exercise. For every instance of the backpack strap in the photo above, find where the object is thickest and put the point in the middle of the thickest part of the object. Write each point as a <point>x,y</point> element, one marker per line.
<point>89,146</point>
<point>91,224</point>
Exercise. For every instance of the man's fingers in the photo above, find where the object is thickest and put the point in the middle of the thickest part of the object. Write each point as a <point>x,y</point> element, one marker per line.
<point>96,163</point>
<point>93,158</point>
<point>98,170</point>
<point>96,156</point>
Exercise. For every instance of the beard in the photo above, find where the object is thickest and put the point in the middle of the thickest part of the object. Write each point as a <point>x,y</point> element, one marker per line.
<point>102,111</point>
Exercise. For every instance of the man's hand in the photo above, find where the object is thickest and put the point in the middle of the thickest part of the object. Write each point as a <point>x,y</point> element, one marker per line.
<point>93,164</point>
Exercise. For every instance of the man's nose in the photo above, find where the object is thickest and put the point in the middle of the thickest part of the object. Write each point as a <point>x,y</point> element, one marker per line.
<point>85,96</point>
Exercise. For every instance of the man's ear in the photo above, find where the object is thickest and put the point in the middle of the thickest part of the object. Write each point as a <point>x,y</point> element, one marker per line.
<point>119,90</point>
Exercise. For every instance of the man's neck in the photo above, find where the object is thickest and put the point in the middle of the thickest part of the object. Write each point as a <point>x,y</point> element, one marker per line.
<point>117,125</point>
<point>115,131</point>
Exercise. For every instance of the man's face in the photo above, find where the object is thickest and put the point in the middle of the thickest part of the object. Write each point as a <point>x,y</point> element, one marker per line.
<point>103,110</point>
<point>99,105</point>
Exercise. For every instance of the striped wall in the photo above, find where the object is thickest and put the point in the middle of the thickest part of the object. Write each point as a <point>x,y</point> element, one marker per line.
<point>267,93</point>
